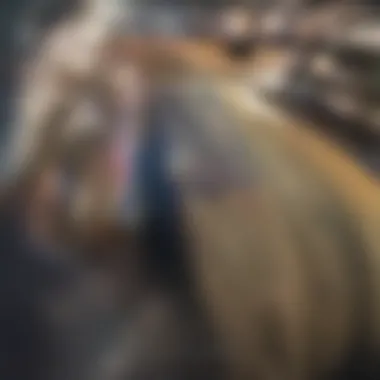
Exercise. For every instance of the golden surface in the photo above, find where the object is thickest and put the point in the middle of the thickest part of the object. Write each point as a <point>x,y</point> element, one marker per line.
<point>266,254</point>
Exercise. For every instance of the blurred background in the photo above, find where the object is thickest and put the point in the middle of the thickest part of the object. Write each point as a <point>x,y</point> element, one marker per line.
<point>326,51</point>
<point>134,132</point>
